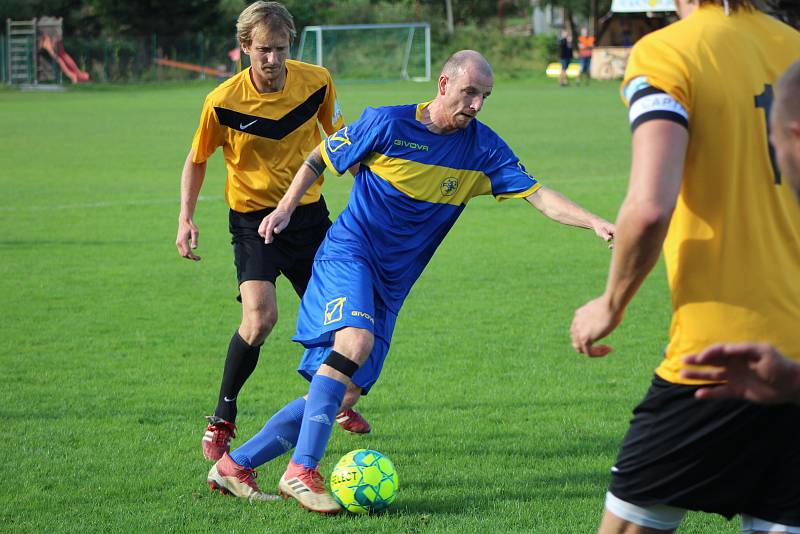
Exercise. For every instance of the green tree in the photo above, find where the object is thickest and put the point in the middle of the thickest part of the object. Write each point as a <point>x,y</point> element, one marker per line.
<point>589,9</point>
<point>78,18</point>
<point>147,17</point>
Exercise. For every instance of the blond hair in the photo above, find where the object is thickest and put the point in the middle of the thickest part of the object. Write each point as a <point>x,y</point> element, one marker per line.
<point>273,15</point>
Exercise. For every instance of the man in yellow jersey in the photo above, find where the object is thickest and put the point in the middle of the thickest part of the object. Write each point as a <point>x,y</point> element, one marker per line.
<point>704,184</point>
<point>266,119</point>
<point>758,371</point>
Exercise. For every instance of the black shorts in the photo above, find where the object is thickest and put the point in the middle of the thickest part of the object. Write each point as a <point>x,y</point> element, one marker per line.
<point>726,457</point>
<point>291,253</point>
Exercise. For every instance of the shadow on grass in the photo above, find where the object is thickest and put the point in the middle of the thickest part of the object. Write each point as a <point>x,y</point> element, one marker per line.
<point>480,500</point>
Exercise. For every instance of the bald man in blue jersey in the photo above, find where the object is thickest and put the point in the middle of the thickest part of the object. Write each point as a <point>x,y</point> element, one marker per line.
<point>419,166</point>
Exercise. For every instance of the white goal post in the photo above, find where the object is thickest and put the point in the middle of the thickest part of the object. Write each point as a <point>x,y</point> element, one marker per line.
<point>401,50</point>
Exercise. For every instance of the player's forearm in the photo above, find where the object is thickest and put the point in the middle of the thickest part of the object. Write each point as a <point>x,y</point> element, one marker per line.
<point>191,182</point>
<point>556,206</point>
<point>641,230</point>
<point>305,177</point>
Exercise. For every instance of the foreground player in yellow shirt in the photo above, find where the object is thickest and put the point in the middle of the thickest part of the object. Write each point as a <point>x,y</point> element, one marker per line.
<point>758,371</point>
<point>267,120</point>
<point>704,183</point>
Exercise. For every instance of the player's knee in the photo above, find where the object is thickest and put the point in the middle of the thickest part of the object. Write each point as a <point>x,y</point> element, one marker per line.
<point>362,349</point>
<point>257,325</point>
<point>622,516</point>
<point>264,323</point>
<point>355,344</point>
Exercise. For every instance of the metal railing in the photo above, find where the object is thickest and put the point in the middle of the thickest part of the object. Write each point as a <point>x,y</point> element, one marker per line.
<point>21,53</point>
<point>3,59</point>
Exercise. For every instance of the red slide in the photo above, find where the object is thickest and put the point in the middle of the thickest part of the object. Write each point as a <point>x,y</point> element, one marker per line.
<point>64,60</point>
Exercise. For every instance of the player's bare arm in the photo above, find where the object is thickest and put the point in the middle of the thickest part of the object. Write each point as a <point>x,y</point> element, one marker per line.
<point>561,209</point>
<point>191,181</point>
<point>659,149</point>
<point>308,173</point>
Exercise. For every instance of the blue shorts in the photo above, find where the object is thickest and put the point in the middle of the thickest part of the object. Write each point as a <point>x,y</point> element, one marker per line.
<point>565,63</point>
<point>586,63</point>
<point>341,294</point>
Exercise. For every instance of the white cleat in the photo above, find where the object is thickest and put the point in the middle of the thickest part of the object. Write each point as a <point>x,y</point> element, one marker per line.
<point>230,478</point>
<point>307,487</point>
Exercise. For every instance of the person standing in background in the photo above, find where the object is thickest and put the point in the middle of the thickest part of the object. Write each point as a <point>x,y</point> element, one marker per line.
<point>585,47</point>
<point>564,56</point>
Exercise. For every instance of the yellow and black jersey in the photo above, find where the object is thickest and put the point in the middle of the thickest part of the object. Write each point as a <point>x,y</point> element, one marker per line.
<point>733,246</point>
<point>265,137</point>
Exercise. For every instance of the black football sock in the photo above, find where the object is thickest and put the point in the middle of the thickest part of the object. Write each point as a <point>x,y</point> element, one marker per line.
<point>239,365</point>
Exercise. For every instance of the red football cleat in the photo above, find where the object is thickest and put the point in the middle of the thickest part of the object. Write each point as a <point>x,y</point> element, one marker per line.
<point>217,439</point>
<point>353,422</point>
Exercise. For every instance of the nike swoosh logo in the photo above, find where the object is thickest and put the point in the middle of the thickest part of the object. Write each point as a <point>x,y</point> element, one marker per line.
<point>229,400</point>
<point>248,125</point>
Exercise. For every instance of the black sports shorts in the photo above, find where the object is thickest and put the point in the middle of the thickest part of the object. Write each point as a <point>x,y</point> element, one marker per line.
<point>726,457</point>
<point>292,251</point>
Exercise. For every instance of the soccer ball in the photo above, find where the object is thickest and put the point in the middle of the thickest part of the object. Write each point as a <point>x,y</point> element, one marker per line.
<point>364,481</point>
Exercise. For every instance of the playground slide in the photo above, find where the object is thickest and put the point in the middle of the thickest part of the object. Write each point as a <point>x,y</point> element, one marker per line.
<point>69,67</point>
<point>65,61</point>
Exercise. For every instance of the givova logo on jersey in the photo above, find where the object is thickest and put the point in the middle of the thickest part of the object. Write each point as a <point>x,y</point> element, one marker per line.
<point>337,140</point>
<point>365,315</point>
<point>410,144</point>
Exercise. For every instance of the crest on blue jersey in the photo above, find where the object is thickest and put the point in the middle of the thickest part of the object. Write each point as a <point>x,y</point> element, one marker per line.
<point>337,140</point>
<point>333,310</point>
<point>449,186</point>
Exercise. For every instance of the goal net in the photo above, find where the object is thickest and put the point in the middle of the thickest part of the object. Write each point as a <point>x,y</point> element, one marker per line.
<point>369,51</point>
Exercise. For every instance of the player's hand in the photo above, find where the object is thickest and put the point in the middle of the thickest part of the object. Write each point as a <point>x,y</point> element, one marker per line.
<point>273,224</point>
<point>186,241</point>
<point>753,371</point>
<point>605,231</point>
<point>593,321</point>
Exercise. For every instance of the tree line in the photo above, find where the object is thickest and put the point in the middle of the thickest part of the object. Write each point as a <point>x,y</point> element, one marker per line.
<point>112,18</point>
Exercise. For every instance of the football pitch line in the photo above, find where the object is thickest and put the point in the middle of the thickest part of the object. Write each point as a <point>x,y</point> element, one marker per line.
<point>105,204</point>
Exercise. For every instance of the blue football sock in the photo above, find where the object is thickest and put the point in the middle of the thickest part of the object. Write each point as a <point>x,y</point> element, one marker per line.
<point>325,395</point>
<point>278,436</point>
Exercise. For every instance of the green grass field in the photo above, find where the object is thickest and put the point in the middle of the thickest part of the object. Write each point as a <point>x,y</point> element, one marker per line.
<point>111,345</point>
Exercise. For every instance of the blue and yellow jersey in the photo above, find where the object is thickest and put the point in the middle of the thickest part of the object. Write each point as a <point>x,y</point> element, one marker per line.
<point>733,246</point>
<point>266,137</point>
<point>410,189</point>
